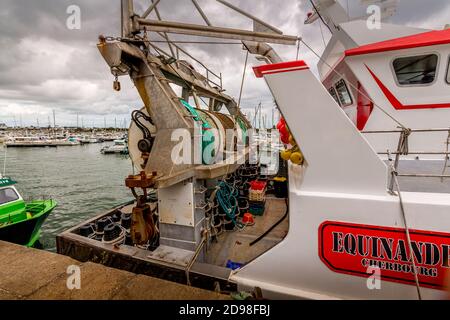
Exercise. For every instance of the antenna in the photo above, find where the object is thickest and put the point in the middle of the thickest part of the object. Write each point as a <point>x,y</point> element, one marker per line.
<point>273,118</point>
<point>260,115</point>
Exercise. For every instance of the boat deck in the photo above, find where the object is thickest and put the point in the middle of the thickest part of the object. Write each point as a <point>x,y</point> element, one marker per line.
<point>427,184</point>
<point>235,246</point>
<point>35,274</point>
<point>208,272</point>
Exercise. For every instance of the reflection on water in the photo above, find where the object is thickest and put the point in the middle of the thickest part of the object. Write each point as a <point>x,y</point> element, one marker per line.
<point>82,180</point>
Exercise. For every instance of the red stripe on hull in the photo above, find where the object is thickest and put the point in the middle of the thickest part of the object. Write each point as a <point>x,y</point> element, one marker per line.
<point>400,106</point>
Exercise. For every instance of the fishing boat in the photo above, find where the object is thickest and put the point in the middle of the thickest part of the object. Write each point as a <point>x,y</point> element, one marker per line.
<point>119,147</point>
<point>347,226</point>
<point>388,79</point>
<point>21,221</point>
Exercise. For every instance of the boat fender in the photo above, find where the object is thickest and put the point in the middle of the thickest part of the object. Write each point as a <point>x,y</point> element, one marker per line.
<point>297,158</point>
<point>286,154</point>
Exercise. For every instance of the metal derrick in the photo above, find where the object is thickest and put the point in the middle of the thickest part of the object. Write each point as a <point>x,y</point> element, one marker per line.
<point>154,69</point>
<point>133,24</point>
<point>209,85</point>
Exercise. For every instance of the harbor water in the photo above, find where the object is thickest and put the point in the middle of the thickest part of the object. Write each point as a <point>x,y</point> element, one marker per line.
<point>86,183</point>
<point>83,181</point>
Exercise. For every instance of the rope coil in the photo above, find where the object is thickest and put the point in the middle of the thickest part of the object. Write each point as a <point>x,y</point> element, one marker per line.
<point>403,147</point>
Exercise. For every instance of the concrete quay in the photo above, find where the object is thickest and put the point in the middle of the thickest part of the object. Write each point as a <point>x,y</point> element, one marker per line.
<point>31,274</point>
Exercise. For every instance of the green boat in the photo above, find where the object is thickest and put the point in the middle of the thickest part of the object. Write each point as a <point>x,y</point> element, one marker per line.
<point>20,221</point>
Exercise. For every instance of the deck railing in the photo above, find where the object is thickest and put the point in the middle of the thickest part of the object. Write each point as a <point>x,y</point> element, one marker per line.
<point>403,150</point>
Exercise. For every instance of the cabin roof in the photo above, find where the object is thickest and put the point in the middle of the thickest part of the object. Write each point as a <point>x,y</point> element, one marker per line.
<point>361,35</point>
<point>356,34</point>
<point>424,39</point>
<point>5,182</point>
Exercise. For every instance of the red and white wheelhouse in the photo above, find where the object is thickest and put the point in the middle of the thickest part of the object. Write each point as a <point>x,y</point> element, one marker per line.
<point>403,70</point>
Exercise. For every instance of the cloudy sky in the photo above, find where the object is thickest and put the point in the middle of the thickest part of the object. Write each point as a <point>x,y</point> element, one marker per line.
<point>44,66</point>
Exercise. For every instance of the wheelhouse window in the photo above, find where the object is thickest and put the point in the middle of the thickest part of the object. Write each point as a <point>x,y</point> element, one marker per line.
<point>416,70</point>
<point>344,95</point>
<point>8,195</point>
<point>333,93</point>
<point>448,72</point>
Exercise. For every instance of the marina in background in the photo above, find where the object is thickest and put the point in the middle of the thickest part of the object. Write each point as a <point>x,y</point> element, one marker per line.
<point>81,179</point>
<point>57,137</point>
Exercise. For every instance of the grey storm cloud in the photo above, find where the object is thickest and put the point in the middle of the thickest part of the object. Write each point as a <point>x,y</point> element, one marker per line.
<point>44,66</point>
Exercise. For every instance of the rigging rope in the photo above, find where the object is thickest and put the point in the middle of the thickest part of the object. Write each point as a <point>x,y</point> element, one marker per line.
<point>194,258</point>
<point>403,146</point>
<point>408,237</point>
<point>320,16</point>
<point>348,11</point>
<point>323,38</point>
<point>243,79</point>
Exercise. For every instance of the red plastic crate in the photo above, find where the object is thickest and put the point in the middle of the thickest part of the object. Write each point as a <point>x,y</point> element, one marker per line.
<point>258,185</point>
